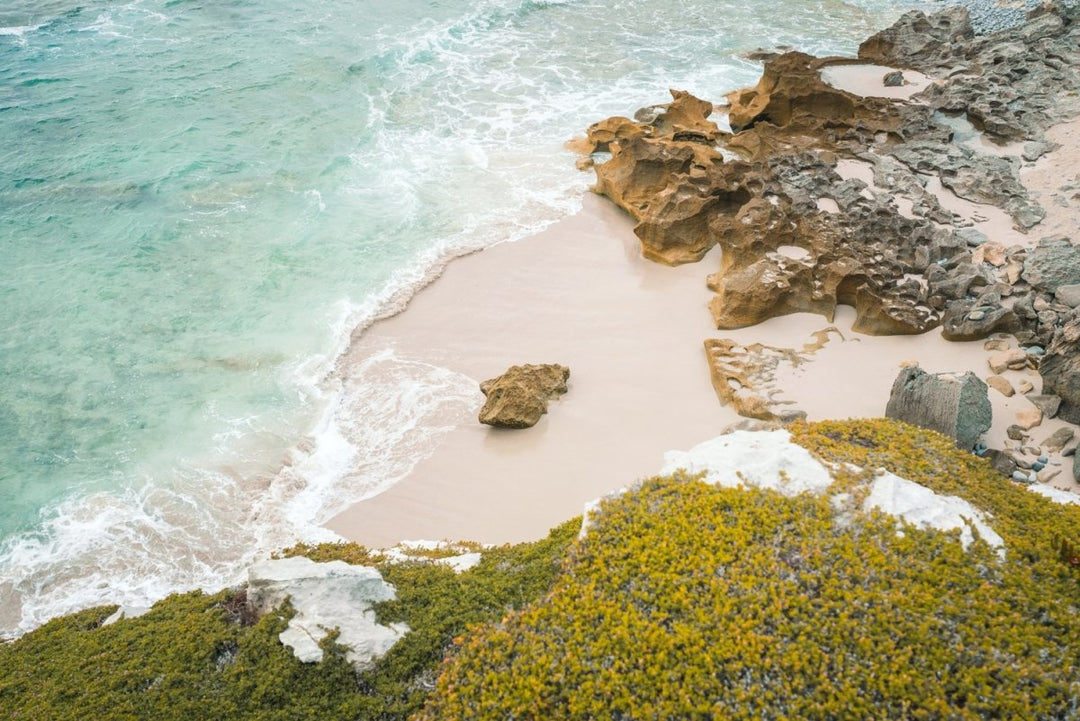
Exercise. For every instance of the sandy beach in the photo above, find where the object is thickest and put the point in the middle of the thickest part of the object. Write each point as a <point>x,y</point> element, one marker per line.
<point>632,332</point>
<point>577,294</point>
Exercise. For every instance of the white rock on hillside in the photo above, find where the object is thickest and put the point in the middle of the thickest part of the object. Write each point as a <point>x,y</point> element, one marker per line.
<point>921,507</point>
<point>765,459</point>
<point>125,612</point>
<point>325,596</point>
<point>1055,494</point>
<point>407,551</point>
<point>768,459</point>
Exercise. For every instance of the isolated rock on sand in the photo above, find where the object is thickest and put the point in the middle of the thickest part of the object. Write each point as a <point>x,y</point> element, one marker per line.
<point>518,397</point>
<point>893,80</point>
<point>1057,441</point>
<point>953,404</point>
<point>1028,418</point>
<point>1012,359</point>
<point>1001,385</point>
<point>325,596</point>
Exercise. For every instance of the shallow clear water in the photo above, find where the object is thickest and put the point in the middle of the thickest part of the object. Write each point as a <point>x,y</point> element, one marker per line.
<point>200,199</point>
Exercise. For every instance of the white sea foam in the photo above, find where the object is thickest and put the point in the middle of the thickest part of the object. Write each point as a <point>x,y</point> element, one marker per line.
<point>135,547</point>
<point>19,30</point>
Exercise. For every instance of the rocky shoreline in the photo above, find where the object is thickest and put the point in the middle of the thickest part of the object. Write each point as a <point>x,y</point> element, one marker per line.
<point>838,183</point>
<point>774,583</point>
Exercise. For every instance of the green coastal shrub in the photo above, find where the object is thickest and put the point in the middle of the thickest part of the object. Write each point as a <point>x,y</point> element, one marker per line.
<point>197,657</point>
<point>689,601</point>
<point>685,601</point>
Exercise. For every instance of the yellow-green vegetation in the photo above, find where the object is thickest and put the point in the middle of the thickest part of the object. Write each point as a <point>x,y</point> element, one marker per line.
<point>690,601</point>
<point>197,657</point>
<point>685,601</point>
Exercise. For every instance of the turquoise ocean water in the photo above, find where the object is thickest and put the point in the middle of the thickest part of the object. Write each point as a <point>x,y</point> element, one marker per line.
<point>201,199</point>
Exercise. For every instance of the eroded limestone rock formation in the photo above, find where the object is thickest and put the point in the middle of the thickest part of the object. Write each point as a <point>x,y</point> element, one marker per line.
<point>518,397</point>
<point>769,185</point>
<point>744,376</point>
<point>1061,368</point>
<point>800,233</point>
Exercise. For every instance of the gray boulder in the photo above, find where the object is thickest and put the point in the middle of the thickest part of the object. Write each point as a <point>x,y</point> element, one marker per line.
<point>1001,462</point>
<point>1054,263</point>
<point>1058,440</point>
<point>1048,404</point>
<point>953,404</point>
<point>893,80</point>
<point>1068,295</point>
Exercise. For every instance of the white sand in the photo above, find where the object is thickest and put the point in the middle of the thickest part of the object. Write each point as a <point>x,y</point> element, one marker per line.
<point>867,80</point>
<point>1054,181</point>
<point>579,294</point>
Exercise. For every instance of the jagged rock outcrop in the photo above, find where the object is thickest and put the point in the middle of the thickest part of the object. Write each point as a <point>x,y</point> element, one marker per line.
<point>742,377</point>
<point>953,404</point>
<point>920,42</point>
<point>979,178</point>
<point>324,597</point>
<point>1060,368</point>
<point>800,236</point>
<point>783,254</point>
<point>1001,81</point>
<point>1054,263</point>
<point>518,397</point>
